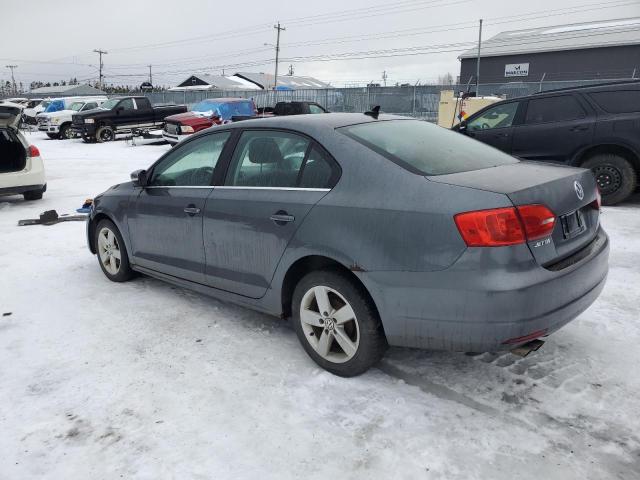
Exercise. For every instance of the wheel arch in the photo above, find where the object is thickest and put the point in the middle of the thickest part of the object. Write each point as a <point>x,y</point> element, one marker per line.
<point>91,228</point>
<point>304,265</point>
<point>615,148</point>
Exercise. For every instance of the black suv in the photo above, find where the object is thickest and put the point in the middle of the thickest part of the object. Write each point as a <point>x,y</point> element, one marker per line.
<point>596,127</point>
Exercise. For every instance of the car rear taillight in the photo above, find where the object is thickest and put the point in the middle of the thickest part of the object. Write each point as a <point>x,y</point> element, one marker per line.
<point>490,228</point>
<point>499,227</point>
<point>538,221</point>
<point>33,151</point>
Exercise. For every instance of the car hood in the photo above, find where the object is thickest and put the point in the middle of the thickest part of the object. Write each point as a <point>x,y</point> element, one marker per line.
<point>61,113</point>
<point>189,118</point>
<point>9,116</point>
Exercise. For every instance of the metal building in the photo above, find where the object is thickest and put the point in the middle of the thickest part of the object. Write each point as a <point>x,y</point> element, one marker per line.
<point>604,50</point>
<point>66,91</point>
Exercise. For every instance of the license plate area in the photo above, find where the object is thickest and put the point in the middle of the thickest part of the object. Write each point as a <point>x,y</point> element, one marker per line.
<point>572,224</point>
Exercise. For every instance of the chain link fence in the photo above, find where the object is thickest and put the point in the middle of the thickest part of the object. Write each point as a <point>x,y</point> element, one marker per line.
<point>420,101</point>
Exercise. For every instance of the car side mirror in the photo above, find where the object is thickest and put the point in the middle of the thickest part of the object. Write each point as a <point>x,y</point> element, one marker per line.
<point>462,126</point>
<point>139,178</point>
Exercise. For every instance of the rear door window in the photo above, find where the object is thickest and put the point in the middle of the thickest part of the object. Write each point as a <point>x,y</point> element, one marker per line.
<point>127,104</point>
<point>620,101</point>
<point>562,108</point>
<point>266,158</point>
<point>425,149</point>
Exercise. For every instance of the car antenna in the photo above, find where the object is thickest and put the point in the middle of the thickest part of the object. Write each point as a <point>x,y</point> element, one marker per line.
<point>374,112</point>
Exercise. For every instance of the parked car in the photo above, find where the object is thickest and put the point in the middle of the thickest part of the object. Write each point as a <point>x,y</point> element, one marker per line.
<point>29,114</point>
<point>121,115</point>
<point>593,127</point>
<point>205,114</point>
<point>21,168</point>
<point>58,124</point>
<point>367,230</point>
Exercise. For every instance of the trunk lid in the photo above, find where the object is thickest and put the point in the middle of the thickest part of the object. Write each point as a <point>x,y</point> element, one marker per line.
<point>569,192</point>
<point>10,115</point>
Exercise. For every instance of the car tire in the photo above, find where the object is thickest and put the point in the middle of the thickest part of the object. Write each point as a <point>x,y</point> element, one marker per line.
<point>65,132</point>
<point>105,134</point>
<point>615,176</point>
<point>53,136</point>
<point>109,245</point>
<point>33,195</point>
<point>347,345</point>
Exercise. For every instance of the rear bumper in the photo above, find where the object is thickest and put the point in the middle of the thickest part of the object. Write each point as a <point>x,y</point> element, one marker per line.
<point>20,189</point>
<point>32,177</point>
<point>475,308</point>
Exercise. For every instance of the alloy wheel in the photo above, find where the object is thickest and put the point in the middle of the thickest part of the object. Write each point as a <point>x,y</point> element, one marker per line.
<point>329,324</point>
<point>109,251</point>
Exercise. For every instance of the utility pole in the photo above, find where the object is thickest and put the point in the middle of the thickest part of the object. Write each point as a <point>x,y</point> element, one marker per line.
<point>100,52</point>
<point>478,61</point>
<point>13,80</point>
<point>279,29</point>
<point>150,76</point>
<point>384,77</point>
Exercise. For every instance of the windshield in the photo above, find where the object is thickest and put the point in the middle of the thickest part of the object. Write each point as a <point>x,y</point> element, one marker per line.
<point>55,106</point>
<point>45,104</point>
<point>109,104</point>
<point>76,106</point>
<point>224,110</point>
<point>426,149</point>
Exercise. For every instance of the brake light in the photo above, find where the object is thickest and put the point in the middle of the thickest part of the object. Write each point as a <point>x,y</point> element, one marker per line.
<point>538,221</point>
<point>499,227</point>
<point>490,228</point>
<point>33,151</point>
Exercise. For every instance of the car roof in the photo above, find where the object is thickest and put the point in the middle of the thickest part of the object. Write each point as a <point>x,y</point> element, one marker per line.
<point>611,86</point>
<point>313,122</point>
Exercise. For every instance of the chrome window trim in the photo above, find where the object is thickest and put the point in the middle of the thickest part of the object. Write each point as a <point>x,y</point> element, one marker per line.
<point>295,189</point>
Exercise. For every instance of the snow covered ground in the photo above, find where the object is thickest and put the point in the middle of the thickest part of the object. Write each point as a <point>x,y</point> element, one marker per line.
<point>143,380</point>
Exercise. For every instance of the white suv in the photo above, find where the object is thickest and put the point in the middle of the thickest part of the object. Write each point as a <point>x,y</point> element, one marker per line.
<point>57,124</point>
<point>21,168</point>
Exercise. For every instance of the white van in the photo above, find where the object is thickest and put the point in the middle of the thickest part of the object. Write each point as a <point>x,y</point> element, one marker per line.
<point>56,119</point>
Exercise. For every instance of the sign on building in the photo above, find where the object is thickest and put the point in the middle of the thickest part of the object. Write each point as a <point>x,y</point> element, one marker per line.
<point>516,70</point>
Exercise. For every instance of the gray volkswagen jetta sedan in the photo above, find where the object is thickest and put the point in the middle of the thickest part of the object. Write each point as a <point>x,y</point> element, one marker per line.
<point>366,231</point>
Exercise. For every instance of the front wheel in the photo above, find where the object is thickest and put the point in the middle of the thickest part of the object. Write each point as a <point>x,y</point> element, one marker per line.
<point>105,134</point>
<point>112,252</point>
<point>66,133</point>
<point>615,176</point>
<point>337,323</point>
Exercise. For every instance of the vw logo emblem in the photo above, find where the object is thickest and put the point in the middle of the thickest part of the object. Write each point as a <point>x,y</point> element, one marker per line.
<point>579,190</point>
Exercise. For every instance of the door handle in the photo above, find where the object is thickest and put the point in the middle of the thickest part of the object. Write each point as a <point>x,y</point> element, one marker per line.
<point>191,210</point>
<point>282,218</point>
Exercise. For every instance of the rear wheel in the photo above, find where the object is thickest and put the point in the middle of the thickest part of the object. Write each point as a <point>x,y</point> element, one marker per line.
<point>615,176</point>
<point>337,323</point>
<point>33,195</point>
<point>53,136</point>
<point>112,252</point>
<point>105,134</point>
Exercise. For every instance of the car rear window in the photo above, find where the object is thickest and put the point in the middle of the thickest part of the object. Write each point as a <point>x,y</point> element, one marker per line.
<point>426,149</point>
<point>621,101</point>
<point>553,109</point>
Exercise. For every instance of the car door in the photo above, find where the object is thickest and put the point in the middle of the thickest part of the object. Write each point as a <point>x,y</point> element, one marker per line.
<point>165,222</point>
<point>126,114</point>
<point>494,126</point>
<point>274,178</point>
<point>554,128</point>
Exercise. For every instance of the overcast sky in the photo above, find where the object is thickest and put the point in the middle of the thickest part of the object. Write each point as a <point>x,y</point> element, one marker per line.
<point>54,40</point>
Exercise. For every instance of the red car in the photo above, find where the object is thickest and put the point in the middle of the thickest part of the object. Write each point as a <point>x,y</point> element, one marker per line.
<point>207,113</point>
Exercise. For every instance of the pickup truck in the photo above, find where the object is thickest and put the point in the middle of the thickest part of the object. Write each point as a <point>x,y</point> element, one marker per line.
<point>292,108</point>
<point>121,115</point>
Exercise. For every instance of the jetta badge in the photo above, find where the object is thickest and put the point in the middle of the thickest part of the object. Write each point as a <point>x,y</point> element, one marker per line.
<point>579,190</point>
